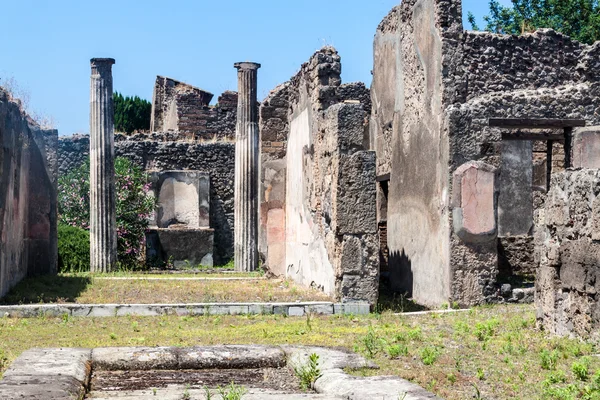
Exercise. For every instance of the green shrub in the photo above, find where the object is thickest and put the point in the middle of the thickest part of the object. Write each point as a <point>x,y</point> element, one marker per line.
<point>133,207</point>
<point>73,249</point>
<point>131,113</point>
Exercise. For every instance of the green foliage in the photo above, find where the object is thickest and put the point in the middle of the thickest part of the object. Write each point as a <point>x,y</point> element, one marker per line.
<point>548,359</point>
<point>580,369</point>
<point>580,19</point>
<point>430,354</point>
<point>487,329</point>
<point>133,207</point>
<point>309,373</point>
<point>131,113</point>
<point>371,343</point>
<point>397,350</point>
<point>231,392</point>
<point>73,249</point>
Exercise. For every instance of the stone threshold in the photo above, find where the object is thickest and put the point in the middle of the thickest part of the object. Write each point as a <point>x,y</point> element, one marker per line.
<point>178,278</point>
<point>153,310</point>
<point>65,373</point>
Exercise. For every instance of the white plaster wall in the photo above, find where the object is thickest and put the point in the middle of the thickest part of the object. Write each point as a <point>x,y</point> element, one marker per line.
<point>306,255</point>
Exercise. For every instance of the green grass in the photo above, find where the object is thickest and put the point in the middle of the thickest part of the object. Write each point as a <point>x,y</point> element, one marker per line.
<point>445,353</point>
<point>89,289</point>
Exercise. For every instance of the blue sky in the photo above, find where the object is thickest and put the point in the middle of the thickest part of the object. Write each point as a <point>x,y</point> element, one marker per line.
<point>46,45</point>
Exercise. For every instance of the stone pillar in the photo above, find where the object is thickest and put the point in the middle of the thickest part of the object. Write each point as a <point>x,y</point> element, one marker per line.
<point>103,231</point>
<point>246,170</point>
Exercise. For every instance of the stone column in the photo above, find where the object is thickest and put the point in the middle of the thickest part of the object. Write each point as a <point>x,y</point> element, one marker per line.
<point>103,231</point>
<point>246,170</point>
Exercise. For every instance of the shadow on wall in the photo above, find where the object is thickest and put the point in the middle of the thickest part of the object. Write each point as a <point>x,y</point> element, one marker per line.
<point>395,289</point>
<point>47,289</point>
<point>401,274</point>
<point>223,250</point>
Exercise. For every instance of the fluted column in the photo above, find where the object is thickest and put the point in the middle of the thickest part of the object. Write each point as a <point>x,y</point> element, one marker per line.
<point>246,170</point>
<point>103,232</point>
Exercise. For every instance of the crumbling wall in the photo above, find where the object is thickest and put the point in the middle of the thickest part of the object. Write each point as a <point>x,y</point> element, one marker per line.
<point>177,106</point>
<point>27,196</point>
<point>318,222</point>
<point>173,151</point>
<point>434,89</point>
<point>567,241</point>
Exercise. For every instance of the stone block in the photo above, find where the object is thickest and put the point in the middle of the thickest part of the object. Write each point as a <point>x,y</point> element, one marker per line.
<point>134,358</point>
<point>294,311</point>
<point>474,202</point>
<point>41,387</point>
<point>586,147</point>
<point>183,247</point>
<point>355,207</point>
<point>67,362</point>
<point>183,198</point>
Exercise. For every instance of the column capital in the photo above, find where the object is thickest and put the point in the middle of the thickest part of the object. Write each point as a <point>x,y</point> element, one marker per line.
<point>102,61</point>
<point>246,65</point>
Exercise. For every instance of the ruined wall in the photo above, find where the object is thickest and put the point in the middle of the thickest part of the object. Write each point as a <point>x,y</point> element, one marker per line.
<point>567,236</point>
<point>177,106</point>
<point>172,151</point>
<point>316,171</point>
<point>27,196</point>
<point>434,89</point>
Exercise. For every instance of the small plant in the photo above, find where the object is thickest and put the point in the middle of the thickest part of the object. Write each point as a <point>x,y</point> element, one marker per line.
<point>487,329</point>
<point>397,350</point>
<point>186,393</point>
<point>309,319</point>
<point>415,334</point>
<point>135,326</point>
<point>153,391</point>
<point>580,369</point>
<point>207,393</point>
<point>371,342</point>
<point>549,359</point>
<point>231,392</point>
<point>429,354</point>
<point>309,373</point>
<point>451,378</point>
<point>113,336</point>
<point>480,374</point>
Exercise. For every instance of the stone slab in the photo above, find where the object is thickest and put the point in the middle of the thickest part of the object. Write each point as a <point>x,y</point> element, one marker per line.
<point>328,358</point>
<point>134,358</point>
<point>113,310</point>
<point>67,362</point>
<point>41,388</point>
<point>380,387</point>
<point>176,393</point>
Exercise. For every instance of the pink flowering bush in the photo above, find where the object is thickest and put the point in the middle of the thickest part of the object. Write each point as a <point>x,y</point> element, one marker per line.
<point>133,203</point>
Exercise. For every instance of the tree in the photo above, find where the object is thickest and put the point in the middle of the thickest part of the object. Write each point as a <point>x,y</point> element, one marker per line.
<point>131,113</point>
<point>580,19</point>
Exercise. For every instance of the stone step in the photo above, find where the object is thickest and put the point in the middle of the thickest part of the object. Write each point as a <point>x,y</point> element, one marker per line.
<point>180,392</point>
<point>151,310</point>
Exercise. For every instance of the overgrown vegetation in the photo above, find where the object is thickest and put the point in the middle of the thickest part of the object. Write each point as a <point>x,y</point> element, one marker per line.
<point>580,19</point>
<point>131,113</point>
<point>507,365</point>
<point>73,249</point>
<point>133,207</point>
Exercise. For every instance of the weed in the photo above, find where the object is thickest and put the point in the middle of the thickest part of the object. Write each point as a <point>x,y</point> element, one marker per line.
<point>415,334</point>
<point>231,392</point>
<point>396,350</point>
<point>186,393</point>
<point>113,336</point>
<point>480,374</point>
<point>580,369</point>
<point>135,326</point>
<point>207,393</point>
<point>309,373</point>
<point>371,342</point>
<point>430,354</point>
<point>487,329</point>
<point>451,378</point>
<point>309,319</point>
<point>153,391</point>
<point>548,359</point>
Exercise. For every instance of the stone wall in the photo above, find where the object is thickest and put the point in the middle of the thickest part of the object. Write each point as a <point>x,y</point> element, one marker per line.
<point>567,242</point>
<point>318,221</point>
<point>171,151</point>
<point>179,107</point>
<point>27,196</point>
<point>434,89</point>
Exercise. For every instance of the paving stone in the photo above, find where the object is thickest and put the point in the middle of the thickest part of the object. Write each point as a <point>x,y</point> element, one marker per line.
<point>296,311</point>
<point>136,358</point>
<point>176,393</point>
<point>328,358</point>
<point>68,362</point>
<point>231,356</point>
<point>336,382</point>
<point>41,388</point>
